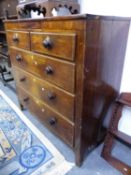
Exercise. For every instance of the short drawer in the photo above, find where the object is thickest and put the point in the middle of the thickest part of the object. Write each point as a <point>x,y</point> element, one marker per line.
<point>60,73</point>
<point>11,26</point>
<point>22,25</point>
<point>55,44</point>
<point>19,39</point>
<point>51,119</point>
<point>59,100</point>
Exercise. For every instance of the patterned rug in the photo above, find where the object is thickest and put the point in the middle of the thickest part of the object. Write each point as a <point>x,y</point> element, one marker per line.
<point>24,150</point>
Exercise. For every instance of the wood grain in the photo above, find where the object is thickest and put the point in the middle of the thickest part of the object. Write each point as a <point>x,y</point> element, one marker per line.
<point>83,57</point>
<point>63,73</point>
<point>62,101</point>
<point>23,40</point>
<point>62,44</point>
<point>46,115</point>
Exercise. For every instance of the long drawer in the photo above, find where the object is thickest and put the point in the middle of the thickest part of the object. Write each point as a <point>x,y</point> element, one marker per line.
<point>60,73</point>
<point>55,97</point>
<point>61,127</point>
<point>19,39</point>
<point>61,45</point>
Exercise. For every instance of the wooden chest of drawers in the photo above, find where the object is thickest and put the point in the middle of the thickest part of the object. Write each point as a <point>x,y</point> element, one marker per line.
<point>67,72</point>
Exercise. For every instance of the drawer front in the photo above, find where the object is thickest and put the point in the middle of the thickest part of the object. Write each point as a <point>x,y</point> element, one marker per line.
<point>56,98</point>
<point>51,119</point>
<point>23,25</point>
<point>19,39</point>
<point>59,45</point>
<point>60,73</point>
<point>11,26</point>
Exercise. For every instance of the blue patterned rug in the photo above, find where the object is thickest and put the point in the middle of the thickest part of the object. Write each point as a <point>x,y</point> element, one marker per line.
<point>24,150</point>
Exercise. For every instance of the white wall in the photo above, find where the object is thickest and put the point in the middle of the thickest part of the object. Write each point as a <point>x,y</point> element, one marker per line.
<point>115,8</point>
<point>106,7</point>
<point>126,77</point>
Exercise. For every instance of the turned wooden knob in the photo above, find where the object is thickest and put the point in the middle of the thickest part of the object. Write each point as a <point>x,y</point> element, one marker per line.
<point>52,121</point>
<point>22,79</point>
<point>51,95</point>
<point>47,43</point>
<point>49,70</point>
<point>15,38</point>
<point>19,58</point>
<point>26,99</point>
